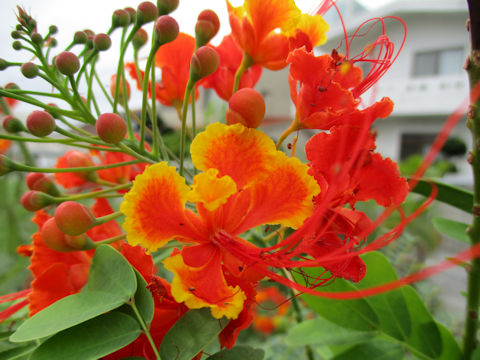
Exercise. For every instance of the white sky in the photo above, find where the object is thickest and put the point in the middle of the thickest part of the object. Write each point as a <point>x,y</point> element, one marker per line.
<point>71,16</point>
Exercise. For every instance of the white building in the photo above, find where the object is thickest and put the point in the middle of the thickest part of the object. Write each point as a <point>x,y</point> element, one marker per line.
<point>426,82</point>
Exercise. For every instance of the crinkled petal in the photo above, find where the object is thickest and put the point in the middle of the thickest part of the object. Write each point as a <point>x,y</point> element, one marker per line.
<point>205,286</point>
<point>210,190</point>
<point>242,153</point>
<point>154,208</point>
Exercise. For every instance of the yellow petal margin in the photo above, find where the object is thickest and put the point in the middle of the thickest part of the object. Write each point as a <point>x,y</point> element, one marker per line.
<point>242,153</point>
<point>204,286</point>
<point>211,190</point>
<point>154,208</point>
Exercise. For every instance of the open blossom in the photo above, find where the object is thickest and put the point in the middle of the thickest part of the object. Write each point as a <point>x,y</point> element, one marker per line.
<point>254,28</point>
<point>245,182</point>
<point>321,87</point>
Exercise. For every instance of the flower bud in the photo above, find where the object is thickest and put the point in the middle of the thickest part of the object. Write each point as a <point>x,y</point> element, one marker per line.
<point>204,62</point>
<point>120,18</point>
<point>57,240</point>
<point>74,218</point>
<point>166,29</point>
<point>6,165</point>
<point>139,39</point>
<point>12,86</point>
<point>80,37</point>
<point>15,34</point>
<point>36,38</point>
<point>132,13</point>
<point>36,200</point>
<point>113,83</point>
<point>206,27</point>
<point>17,45</point>
<point>102,42</point>
<point>42,182</point>
<point>51,42</point>
<point>12,125</point>
<point>40,123</point>
<point>3,64</point>
<point>67,63</point>
<point>246,107</point>
<point>166,6</point>
<point>73,159</point>
<point>146,12</point>
<point>53,29</point>
<point>111,128</point>
<point>29,70</point>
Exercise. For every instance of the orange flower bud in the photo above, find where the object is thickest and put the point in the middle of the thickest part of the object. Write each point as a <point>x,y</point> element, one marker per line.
<point>246,107</point>
<point>41,182</point>
<point>111,128</point>
<point>36,200</point>
<point>113,83</point>
<point>57,240</point>
<point>40,123</point>
<point>206,27</point>
<point>74,218</point>
<point>204,62</point>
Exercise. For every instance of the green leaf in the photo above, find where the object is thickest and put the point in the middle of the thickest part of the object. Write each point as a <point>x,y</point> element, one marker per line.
<point>425,337</point>
<point>190,334</point>
<point>144,299</point>
<point>454,229</point>
<point>352,314</point>
<point>90,340</point>
<point>18,352</point>
<point>111,272</point>
<point>454,196</point>
<point>65,313</point>
<point>4,335</point>
<point>239,353</point>
<point>323,332</point>
<point>378,350</point>
<point>390,307</point>
<point>450,349</point>
<point>476,354</point>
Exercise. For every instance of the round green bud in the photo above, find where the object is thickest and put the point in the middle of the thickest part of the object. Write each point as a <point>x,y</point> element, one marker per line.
<point>29,70</point>
<point>102,42</point>
<point>67,63</point>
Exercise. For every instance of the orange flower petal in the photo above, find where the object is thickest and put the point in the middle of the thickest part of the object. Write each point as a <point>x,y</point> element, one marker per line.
<point>154,208</point>
<point>205,286</point>
<point>242,153</point>
<point>284,197</point>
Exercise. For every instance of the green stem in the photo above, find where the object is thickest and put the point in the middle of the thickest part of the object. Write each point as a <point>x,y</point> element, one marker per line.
<point>103,219</point>
<point>245,64</point>
<point>145,329</point>
<point>294,126</point>
<point>109,241</point>
<point>22,167</point>
<point>186,98</point>
<point>107,95</point>
<point>473,122</point>
<point>93,194</point>
<point>83,107</point>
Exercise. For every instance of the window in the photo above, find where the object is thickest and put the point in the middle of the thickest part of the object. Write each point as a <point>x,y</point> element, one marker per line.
<point>415,144</point>
<point>438,62</point>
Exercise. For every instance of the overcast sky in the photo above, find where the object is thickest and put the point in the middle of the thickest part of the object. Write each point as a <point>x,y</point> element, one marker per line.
<point>71,16</point>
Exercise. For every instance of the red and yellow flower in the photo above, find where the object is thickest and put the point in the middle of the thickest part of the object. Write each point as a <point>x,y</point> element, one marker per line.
<point>244,182</point>
<point>255,28</point>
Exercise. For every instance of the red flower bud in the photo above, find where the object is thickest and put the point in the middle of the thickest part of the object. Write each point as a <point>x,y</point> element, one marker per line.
<point>12,85</point>
<point>132,13</point>
<point>40,123</point>
<point>80,37</point>
<point>36,38</point>
<point>206,27</point>
<point>166,6</point>
<point>166,29</point>
<point>36,200</point>
<point>139,39</point>
<point>246,107</point>
<point>204,62</point>
<point>146,12</point>
<point>74,218</point>
<point>111,128</point>
<point>102,42</point>
<point>57,240</point>
<point>12,125</point>
<point>67,63</point>
<point>42,182</point>
<point>120,18</point>
<point>29,70</point>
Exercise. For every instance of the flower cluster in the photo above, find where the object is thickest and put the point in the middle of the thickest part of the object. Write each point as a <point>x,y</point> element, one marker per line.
<point>200,218</point>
